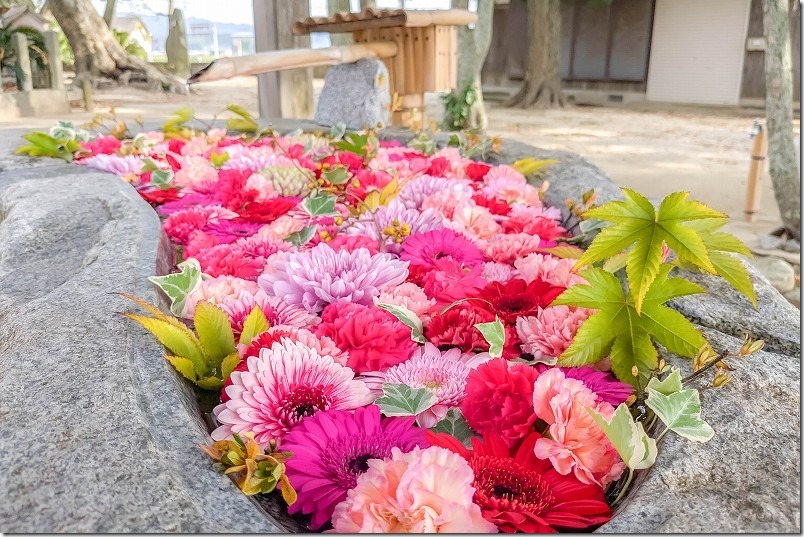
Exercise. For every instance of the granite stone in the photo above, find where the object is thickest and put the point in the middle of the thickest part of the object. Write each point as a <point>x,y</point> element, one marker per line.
<point>355,94</point>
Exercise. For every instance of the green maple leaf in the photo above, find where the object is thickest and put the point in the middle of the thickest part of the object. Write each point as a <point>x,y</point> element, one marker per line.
<point>619,331</point>
<point>636,222</point>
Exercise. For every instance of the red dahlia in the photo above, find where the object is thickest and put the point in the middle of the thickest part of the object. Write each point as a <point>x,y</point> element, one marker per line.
<point>518,492</point>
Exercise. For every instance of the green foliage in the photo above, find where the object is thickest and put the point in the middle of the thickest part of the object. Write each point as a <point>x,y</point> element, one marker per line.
<point>245,122</point>
<point>628,437</point>
<point>455,425</point>
<point>41,144</point>
<point>680,411</point>
<point>494,334</point>
<point>320,205</point>
<point>671,384</point>
<point>402,400</point>
<point>638,225</point>
<point>129,45</point>
<point>458,106</point>
<point>255,324</point>
<point>408,318</point>
<point>178,120</point>
<point>364,144</point>
<point>336,175</point>
<point>300,238</point>
<point>178,285</point>
<point>619,331</point>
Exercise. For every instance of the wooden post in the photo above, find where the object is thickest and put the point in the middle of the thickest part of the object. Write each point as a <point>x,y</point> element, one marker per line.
<point>24,79</point>
<point>759,151</point>
<point>54,59</point>
<point>287,93</point>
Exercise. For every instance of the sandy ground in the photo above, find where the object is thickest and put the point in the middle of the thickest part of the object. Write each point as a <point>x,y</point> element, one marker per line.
<point>655,151</point>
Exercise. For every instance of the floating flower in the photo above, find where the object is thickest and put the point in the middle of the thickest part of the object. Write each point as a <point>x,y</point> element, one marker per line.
<point>276,311</point>
<point>422,491</point>
<point>605,386</point>
<point>499,399</point>
<point>548,334</point>
<point>181,224</point>
<point>121,166</point>
<point>520,493</point>
<point>424,249</point>
<point>281,387</point>
<point>194,170</point>
<point>456,328</point>
<point>321,276</point>
<point>394,223</point>
<point>374,339</point>
<point>420,188</point>
<point>333,448</point>
<point>449,281</point>
<point>576,444</point>
<point>548,268</point>
<point>516,298</point>
<point>498,272</point>
<point>509,248</point>
<point>410,296</point>
<point>217,290</point>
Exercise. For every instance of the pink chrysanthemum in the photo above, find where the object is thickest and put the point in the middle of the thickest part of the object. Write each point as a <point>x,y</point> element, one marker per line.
<point>425,249</point>
<point>550,332</point>
<point>498,272</point>
<point>331,450</point>
<point>392,217</point>
<point>281,387</point>
<point>422,491</point>
<point>121,166</point>
<point>548,268</point>
<point>420,188</point>
<point>276,310</point>
<point>321,276</point>
<point>508,248</point>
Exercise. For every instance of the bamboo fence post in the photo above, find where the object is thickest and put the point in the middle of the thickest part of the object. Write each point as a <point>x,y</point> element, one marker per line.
<point>759,150</point>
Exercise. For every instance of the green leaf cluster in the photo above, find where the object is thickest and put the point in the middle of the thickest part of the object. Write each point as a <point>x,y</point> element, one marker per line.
<point>207,356</point>
<point>679,409</point>
<point>364,144</point>
<point>179,285</point>
<point>41,144</point>
<point>402,400</point>
<point>244,122</point>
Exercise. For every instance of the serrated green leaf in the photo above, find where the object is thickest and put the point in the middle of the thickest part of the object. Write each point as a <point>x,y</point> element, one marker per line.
<point>184,366</point>
<point>681,412</point>
<point>320,205</point>
<point>671,384</point>
<point>178,339</point>
<point>179,285</point>
<point>402,400</point>
<point>255,324</point>
<point>629,438</point>
<point>214,332</point>
<point>210,383</point>
<point>564,252</point>
<point>454,424</point>
<point>494,334</point>
<point>615,262</point>
<point>590,344</point>
<point>300,238</point>
<point>408,317</point>
<point>732,269</point>
<point>228,364</point>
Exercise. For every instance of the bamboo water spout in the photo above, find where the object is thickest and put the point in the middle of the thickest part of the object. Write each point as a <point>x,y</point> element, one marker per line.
<point>277,60</point>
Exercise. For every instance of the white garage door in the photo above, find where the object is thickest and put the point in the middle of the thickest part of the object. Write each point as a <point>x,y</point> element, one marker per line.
<point>697,51</point>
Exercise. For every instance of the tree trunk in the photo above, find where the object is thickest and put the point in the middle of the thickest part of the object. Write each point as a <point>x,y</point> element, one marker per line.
<point>339,6</point>
<point>473,45</point>
<point>784,170</point>
<point>97,52</point>
<point>108,12</point>
<point>542,86</point>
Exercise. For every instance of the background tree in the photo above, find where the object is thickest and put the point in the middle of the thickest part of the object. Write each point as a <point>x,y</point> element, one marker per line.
<point>108,12</point>
<point>97,52</point>
<point>783,168</point>
<point>542,85</point>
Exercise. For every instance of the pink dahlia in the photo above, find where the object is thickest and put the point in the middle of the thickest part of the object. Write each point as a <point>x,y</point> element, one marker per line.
<point>499,399</point>
<point>422,491</point>
<point>425,249</point>
<point>576,444</point>
<point>321,276</point>
<point>548,268</point>
<point>605,385</point>
<point>509,248</point>
<point>550,331</point>
<point>374,339</point>
<point>281,387</point>
<point>276,310</point>
<point>332,449</point>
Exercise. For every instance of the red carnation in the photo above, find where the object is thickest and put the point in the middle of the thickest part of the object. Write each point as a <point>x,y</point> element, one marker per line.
<point>102,145</point>
<point>265,212</point>
<point>499,399</point>
<point>456,328</point>
<point>518,492</point>
<point>477,170</point>
<point>493,204</point>
<point>159,196</point>
<point>438,167</point>
<point>546,229</point>
<point>517,298</point>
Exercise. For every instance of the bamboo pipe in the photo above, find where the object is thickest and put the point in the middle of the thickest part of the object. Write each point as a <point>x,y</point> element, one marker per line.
<point>278,60</point>
<point>759,151</point>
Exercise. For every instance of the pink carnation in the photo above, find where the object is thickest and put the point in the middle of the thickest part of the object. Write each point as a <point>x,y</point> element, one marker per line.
<point>509,248</point>
<point>410,296</point>
<point>194,170</point>
<point>548,268</point>
<point>550,332</point>
<point>216,291</point>
<point>498,272</point>
<point>350,243</point>
<point>181,224</point>
<point>446,201</point>
<point>422,491</point>
<point>227,259</point>
<point>449,281</point>
<point>473,220</point>
<point>575,444</point>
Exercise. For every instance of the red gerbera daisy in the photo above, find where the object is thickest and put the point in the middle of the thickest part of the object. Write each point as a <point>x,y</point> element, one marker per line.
<point>517,298</point>
<point>518,492</point>
<point>265,212</point>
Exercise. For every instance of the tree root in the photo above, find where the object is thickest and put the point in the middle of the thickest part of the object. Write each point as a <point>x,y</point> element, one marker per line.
<point>541,94</point>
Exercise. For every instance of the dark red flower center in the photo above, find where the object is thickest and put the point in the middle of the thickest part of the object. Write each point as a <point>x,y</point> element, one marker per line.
<point>305,401</point>
<point>359,465</point>
<point>505,485</point>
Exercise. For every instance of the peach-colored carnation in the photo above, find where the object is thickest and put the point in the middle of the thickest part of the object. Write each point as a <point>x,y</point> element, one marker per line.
<point>194,170</point>
<point>550,332</point>
<point>216,290</point>
<point>447,201</point>
<point>422,491</point>
<point>474,221</point>
<point>408,295</point>
<point>575,444</point>
<point>508,248</point>
<point>548,268</point>
<point>281,228</point>
<point>197,145</point>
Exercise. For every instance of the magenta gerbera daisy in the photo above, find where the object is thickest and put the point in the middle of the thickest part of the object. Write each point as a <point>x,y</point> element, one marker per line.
<point>283,385</point>
<point>331,450</point>
<point>424,249</point>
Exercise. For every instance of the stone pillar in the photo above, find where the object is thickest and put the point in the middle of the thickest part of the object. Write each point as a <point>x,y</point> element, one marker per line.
<point>24,79</point>
<point>54,59</point>
<point>284,93</point>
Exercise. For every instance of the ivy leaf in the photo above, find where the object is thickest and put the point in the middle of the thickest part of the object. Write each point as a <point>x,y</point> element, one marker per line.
<point>454,424</point>
<point>162,178</point>
<point>337,175</point>
<point>214,332</point>
<point>402,400</point>
<point>179,118</point>
<point>300,238</point>
<point>629,438</point>
<point>320,205</point>
<point>637,223</point>
<point>408,318</point>
<point>671,384</point>
<point>618,331</point>
<point>255,324</point>
<point>218,159</point>
<point>681,412</point>
<point>337,131</point>
<point>494,334</point>
<point>179,285</point>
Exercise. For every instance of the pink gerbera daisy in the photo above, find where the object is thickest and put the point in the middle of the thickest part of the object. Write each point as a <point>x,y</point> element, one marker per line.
<point>276,311</point>
<point>332,449</point>
<point>425,249</point>
<point>281,387</point>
